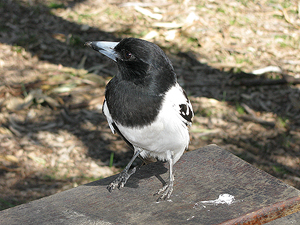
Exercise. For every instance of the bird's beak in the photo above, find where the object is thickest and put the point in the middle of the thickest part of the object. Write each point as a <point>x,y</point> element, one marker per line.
<point>104,47</point>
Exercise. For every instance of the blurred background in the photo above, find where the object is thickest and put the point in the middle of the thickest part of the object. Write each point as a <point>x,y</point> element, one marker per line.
<point>239,62</point>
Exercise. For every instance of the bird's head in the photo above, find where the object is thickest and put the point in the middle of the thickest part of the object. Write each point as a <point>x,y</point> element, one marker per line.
<point>138,60</point>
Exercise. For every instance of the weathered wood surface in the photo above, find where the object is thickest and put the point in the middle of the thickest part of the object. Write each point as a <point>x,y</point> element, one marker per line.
<point>200,175</point>
<point>293,219</point>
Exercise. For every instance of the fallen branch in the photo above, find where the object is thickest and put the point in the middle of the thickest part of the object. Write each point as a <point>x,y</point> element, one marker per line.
<point>252,117</point>
<point>256,82</point>
<point>257,120</point>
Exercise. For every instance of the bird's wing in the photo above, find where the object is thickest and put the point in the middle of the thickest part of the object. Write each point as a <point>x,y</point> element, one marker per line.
<point>180,102</point>
<point>113,126</point>
<point>186,110</point>
<point>110,121</point>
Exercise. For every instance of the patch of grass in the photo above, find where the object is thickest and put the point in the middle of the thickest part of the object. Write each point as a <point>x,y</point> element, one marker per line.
<point>287,41</point>
<point>111,160</point>
<point>17,49</point>
<point>116,14</point>
<point>240,60</point>
<point>240,109</point>
<point>82,17</point>
<point>281,36</point>
<point>193,41</point>
<point>137,35</point>
<point>205,112</point>
<point>274,76</point>
<point>232,21</point>
<point>24,89</point>
<point>54,5</point>
<point>286,4</point>
<point>278,16</point>
<point>200,6</point>
<point>283,122</point>
<point>71,17</point>
<point>279,169</point>
<point>204,138</point>
<point>220,10</point>
<point>224,96</point>
<point>283,44</point>
<point>247,20</point>
<point>243,2</point>
<point>76,40</point>
<point>232,35</point>
<point>5,204</point>
<point>273,2</point>
<point>293,11</point>
<point>220,58</point>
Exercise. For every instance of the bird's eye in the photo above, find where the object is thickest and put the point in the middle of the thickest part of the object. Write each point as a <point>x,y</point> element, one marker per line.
<point>127,55</point>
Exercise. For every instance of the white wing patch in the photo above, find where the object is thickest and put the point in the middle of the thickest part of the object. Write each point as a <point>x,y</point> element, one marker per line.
<point>181,104</point>
<point>108,117</point>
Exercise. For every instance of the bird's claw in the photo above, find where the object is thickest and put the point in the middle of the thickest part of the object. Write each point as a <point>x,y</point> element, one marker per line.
<point>165,192</point>
<point>121,180</point>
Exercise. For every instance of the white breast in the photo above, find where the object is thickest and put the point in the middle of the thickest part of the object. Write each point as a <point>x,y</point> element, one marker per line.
<point>167,132</point>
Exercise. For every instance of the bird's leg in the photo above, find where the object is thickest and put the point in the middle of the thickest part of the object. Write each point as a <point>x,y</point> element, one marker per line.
<point>167,189</point>
<point>124,175</point>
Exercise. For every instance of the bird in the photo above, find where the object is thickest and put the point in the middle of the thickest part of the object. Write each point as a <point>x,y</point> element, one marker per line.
<point>145,105</point>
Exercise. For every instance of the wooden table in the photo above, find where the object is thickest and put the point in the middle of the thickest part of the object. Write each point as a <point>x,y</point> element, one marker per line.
<point>202,177</point>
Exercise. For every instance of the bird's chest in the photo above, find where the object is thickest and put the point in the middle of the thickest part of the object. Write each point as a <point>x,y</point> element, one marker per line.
<point>132,106</point>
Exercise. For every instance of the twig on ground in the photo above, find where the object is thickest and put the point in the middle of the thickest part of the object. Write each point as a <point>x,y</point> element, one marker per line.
<point>274,69</point>
<point>287,19</point>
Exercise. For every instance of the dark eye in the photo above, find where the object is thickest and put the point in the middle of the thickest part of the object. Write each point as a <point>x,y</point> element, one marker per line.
<point>127,55</point>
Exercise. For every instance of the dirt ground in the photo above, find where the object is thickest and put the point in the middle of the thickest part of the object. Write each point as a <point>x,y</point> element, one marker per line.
<point>239,62</point>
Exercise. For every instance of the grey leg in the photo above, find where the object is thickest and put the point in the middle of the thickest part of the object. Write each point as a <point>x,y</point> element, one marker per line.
<point>167,189</point>
<point>124,175</point>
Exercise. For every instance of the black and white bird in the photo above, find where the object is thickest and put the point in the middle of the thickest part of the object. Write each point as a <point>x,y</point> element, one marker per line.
<point>145,105</point>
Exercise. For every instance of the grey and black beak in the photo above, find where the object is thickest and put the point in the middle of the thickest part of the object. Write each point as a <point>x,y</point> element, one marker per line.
<point>104,47</point>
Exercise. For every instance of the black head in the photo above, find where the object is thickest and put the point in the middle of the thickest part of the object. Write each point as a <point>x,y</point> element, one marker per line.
<point>139,61</point>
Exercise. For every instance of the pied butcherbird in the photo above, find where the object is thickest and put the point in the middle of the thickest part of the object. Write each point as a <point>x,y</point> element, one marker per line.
<point>145,105</point>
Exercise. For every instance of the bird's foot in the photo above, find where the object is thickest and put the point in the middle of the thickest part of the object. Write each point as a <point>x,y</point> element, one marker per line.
<point>121,180</point>
<point>165,192</point>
